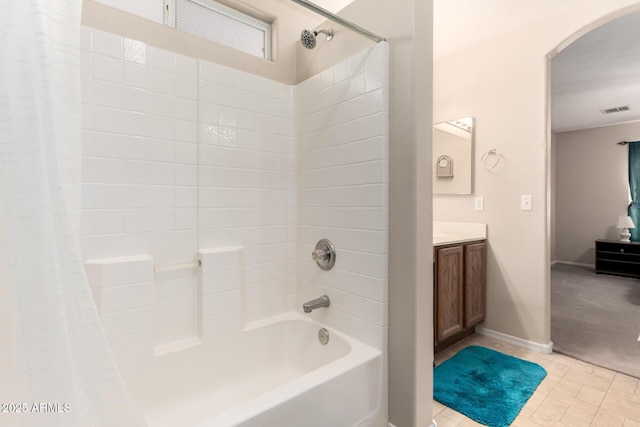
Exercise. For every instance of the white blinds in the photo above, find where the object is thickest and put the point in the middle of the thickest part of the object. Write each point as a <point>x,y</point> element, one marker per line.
<point>212,23</point>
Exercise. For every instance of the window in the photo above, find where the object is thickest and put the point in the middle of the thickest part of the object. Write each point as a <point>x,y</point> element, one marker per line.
<point>214,21</point>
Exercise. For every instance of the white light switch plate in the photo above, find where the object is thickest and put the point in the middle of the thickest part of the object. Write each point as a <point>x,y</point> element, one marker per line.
<point>479,203</point>
<point>526,203</point>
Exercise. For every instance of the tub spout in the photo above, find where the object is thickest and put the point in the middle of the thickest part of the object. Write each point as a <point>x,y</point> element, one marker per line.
<point>309,306</point>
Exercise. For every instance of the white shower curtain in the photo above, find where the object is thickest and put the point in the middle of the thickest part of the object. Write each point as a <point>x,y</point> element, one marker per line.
<point>56,367</point>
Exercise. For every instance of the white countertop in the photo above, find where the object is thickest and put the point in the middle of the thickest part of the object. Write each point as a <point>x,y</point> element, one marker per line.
<point>447,233</point>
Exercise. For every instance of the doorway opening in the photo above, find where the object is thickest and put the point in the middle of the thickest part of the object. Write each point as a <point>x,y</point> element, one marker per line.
<point>594,317</point>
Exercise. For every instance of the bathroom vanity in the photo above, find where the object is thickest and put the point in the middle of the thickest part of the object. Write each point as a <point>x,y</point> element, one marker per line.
<point>459,281</point>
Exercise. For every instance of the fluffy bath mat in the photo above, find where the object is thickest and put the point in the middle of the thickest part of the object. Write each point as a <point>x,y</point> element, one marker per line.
<point>487,386</point>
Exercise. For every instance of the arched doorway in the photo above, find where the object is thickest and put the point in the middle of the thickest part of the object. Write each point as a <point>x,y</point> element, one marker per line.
<point>592,316</point>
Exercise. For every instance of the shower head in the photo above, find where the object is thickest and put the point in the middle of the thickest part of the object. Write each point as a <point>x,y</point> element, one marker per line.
<point>308,38</point>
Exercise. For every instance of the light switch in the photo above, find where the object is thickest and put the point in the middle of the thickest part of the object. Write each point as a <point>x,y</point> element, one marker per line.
<point>479,203</point>
<point>526,203</point>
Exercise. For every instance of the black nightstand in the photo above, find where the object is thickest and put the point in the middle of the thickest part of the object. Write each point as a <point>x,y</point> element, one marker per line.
<point>618,258</point>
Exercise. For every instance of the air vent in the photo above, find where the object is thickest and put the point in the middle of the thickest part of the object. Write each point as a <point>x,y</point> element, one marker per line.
<point>616,109</point>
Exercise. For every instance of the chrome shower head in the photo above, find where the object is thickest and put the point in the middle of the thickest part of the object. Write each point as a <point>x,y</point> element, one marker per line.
<point>308,38</point>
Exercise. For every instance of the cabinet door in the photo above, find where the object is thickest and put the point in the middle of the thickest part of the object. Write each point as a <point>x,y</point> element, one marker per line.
<point>449,282</point>
<point>474,284</point>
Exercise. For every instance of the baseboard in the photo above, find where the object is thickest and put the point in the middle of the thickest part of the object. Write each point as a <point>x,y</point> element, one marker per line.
<point>530,345</point>
<point>577,264</point>
<point>433,424</point>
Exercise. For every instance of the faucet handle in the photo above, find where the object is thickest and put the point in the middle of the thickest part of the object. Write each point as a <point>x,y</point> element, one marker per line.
<point>324,254</point>
<point>319,254</point>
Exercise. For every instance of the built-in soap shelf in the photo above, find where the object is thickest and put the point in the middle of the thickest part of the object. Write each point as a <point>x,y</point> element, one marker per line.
<point>152,307</point>
<point>446,233</point>
<point>179,345</point>
<point>176,318</point>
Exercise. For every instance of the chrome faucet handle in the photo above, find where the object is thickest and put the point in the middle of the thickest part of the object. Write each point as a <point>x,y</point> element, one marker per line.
<point>319,254</point>
<point>324,254</point>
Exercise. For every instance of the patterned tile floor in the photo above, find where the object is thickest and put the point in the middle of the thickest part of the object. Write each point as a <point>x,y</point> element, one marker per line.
<point>574,393</point>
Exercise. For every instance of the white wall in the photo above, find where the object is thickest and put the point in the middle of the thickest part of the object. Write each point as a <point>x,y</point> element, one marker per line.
<point>553,198</point>
<point>187,160</point>
<point>504,84</point>
<point>592,188</point>
<point>342,192</point>
<point>139,189</point>
<point>407,25</point>
<point>287,19</point>
<point>147,9</point>
<point>181,157</point>
<point>152,9</point>
<point>245,137</point>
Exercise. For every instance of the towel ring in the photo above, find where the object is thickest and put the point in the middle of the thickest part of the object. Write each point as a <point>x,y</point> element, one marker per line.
<point>486,162</point>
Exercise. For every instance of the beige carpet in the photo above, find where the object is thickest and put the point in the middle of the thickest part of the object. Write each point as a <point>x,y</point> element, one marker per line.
<point>596,318</point>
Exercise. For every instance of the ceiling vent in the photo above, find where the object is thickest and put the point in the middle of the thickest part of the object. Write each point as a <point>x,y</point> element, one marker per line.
<point>616,109</point>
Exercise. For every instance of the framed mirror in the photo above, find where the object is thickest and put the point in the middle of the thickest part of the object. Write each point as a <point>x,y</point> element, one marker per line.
<point>453,156</point>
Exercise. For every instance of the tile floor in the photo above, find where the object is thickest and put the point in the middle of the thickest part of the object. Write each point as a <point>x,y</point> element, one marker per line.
<point>573,394</point>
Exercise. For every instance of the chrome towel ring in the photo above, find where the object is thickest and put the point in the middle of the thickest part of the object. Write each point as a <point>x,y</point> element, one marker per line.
<point>490,159</point>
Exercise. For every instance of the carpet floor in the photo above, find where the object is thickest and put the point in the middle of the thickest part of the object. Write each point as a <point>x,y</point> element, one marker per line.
<point>596,318</point>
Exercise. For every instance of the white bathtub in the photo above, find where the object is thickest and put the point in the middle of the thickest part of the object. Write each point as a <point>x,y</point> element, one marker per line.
<point>274,374</point>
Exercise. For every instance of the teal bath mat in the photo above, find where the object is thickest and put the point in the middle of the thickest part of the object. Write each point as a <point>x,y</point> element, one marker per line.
<point>485,385</point>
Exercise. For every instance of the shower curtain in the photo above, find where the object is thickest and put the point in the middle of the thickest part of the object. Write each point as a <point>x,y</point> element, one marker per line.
<point>634,187</point>
<point>56,367</point>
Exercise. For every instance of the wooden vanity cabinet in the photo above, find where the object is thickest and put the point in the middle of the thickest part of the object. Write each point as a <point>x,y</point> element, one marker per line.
<point>459,291</point>
<point>449,291</point>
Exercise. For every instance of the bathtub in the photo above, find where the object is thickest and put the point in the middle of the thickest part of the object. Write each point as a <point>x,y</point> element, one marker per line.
<point>274,373</point>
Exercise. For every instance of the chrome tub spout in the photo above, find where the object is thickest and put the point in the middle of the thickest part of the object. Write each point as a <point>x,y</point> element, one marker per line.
<point>309,306</point>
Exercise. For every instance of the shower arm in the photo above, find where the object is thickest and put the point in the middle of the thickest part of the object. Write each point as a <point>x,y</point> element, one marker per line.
<point>335,18</point>
<point>328,33</point>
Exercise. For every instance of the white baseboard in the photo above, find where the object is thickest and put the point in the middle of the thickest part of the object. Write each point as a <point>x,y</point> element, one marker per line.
<point>578,264</point>
<point>433,424</point>
<point>530,345</point>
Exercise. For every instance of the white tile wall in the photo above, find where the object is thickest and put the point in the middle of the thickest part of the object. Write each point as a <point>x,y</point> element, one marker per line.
<point>245,132</point>
<point>176,306</point>
<point>124,291</point>
<point>221,283</point>
<point>185,158</point>
<point>142,168</point>
<point>341,157</point>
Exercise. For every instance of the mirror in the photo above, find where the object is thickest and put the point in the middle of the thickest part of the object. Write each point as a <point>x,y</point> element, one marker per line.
<point>452,156</point>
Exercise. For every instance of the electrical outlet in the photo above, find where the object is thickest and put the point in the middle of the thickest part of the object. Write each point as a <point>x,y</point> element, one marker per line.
<point>526,203</point>
<point>479,203</point>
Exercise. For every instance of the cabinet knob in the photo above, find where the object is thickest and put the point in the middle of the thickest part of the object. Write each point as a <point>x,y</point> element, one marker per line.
<point>621,250</point>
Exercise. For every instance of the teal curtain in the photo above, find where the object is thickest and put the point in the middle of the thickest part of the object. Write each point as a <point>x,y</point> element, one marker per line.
<point>634,186</point>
